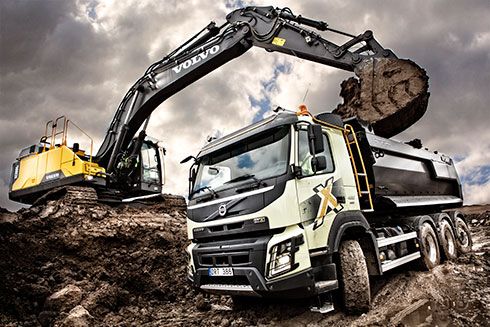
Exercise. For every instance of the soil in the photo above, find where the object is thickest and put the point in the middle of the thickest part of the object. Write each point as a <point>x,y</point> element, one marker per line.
<point>389,94</point>
<point>65,264</point>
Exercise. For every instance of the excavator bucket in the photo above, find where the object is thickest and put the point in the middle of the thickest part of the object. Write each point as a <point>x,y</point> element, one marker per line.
<point>390,94</point>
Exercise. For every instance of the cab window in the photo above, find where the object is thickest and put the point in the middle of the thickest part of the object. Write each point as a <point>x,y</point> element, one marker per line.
<point>304,156</point>
<point>150,165</point>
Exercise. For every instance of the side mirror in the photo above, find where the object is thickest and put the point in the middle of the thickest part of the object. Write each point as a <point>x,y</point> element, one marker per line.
<point>315,139</point>
<point>319,163</point>
<point>76,147</point>
<point>192,174</point>
<point>187,159</point>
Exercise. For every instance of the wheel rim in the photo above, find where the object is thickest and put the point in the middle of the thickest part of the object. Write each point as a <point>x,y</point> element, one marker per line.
<point>431,246</point>
<point>463,237</point>
<point>451,248</point>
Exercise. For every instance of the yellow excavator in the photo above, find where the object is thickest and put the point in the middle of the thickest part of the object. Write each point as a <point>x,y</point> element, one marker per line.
<point>130,165</point>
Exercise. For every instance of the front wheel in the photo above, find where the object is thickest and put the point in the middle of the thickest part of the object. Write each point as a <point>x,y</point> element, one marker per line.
<point>356,292</point>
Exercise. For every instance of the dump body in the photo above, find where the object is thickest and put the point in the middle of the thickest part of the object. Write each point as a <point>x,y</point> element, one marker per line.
<point>406,178</point>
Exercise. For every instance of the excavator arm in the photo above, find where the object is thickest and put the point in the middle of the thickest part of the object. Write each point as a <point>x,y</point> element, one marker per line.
<point>266,27</point>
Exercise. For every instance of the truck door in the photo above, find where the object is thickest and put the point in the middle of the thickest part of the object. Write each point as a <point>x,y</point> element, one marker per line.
<point>318,192</point>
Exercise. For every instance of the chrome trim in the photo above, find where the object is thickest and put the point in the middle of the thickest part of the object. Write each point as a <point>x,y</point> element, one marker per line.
<point>400,261</point>
<point>237,196</point>
<point>384,241</point>
<point>229,289</point>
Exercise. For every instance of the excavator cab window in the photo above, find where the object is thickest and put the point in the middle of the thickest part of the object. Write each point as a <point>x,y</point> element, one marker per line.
<point>33,149</point>
<point>150,164</point>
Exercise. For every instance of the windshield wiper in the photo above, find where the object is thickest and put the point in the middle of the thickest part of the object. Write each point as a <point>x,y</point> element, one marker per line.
<point>242,178</point>
<point>256,182</point>
<point>213,192</point>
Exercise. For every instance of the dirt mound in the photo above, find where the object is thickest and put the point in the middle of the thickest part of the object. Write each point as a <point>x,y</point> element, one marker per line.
<point>119,259</point>
<point>389,94</point>
<point>66,265</point>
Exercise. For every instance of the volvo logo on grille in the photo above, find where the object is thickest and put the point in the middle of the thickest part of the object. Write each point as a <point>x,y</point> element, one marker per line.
<point>222,209</point>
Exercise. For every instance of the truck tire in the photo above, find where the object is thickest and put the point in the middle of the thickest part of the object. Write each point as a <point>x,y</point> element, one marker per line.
<point>463,235</point>
<point>354,278</point>
<point>429,247</point>
<point>447,240</point>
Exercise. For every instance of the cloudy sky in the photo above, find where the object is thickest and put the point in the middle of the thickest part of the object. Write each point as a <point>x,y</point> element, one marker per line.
<point>78,58</point>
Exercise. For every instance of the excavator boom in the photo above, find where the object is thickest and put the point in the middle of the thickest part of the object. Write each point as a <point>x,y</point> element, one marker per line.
<point>266,27</point>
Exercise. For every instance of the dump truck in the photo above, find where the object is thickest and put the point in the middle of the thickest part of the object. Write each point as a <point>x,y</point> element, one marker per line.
<point>300,205</point>
<point>129,165</point>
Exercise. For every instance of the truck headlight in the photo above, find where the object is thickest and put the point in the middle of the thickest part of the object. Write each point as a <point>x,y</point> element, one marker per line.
<point>282,256</point>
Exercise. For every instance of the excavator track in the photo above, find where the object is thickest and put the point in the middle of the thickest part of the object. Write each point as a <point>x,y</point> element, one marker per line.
<point>80,195</point>
<point>71,195</point>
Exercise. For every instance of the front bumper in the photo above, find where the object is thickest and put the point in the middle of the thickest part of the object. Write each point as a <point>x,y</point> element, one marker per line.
<point>247,257</point>
<point>248,281</point>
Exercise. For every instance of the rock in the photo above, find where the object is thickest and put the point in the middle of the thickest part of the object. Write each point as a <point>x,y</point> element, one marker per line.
<point>65,299</point>
<point>46,318</point>
<point>78,317</point>
<point>202,304</point>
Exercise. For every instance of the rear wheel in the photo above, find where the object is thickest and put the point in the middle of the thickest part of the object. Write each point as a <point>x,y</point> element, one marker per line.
<point>356,293</point>
<point>447,240</point>
<point>463,236</point>
<point>429,247</point>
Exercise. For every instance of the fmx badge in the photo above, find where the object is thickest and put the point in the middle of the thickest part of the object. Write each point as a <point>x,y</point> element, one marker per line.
<point>328,202</point>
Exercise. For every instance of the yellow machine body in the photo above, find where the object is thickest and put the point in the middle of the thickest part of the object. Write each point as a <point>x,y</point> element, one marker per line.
<point>43,167</point>
<point>53,164</point>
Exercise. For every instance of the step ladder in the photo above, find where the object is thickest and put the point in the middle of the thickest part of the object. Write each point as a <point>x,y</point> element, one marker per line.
<point>359,168</point>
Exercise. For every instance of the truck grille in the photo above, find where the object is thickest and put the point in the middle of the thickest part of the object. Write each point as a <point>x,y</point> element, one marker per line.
<point>240,252</point>
<point>225,259</point>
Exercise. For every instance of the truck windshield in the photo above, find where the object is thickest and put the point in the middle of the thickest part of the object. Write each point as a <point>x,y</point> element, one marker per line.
<point>259,157</point>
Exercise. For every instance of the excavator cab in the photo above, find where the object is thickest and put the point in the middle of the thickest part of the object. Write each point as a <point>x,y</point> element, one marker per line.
<point>150,168</point>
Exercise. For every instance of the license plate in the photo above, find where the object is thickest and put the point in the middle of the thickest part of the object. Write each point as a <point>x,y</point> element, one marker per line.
<point>220,271</point>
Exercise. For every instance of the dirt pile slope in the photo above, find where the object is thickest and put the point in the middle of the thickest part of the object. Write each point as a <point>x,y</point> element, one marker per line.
<point>112,262</point>
<point>64,265</point>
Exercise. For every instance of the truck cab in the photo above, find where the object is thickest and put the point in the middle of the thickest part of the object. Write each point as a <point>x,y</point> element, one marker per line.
<point>260,213</point>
